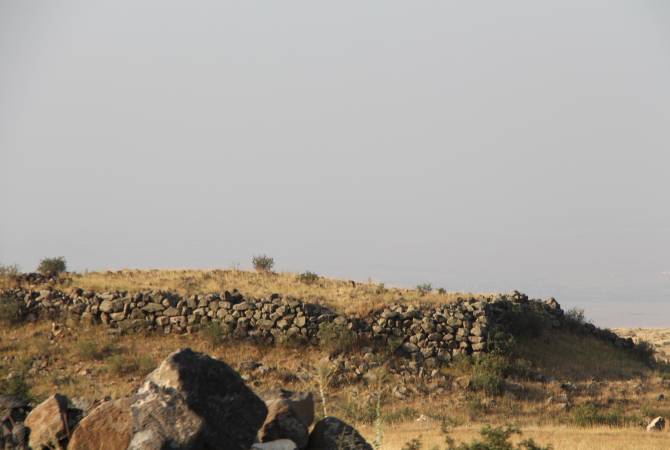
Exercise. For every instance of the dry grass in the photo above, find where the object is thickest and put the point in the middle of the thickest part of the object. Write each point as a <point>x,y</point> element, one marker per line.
<point>344,295</point>
<point>560,437</point>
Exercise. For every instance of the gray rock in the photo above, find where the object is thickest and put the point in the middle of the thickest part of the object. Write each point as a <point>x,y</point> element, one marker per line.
<point>212,392</point>
<point>331,433</point>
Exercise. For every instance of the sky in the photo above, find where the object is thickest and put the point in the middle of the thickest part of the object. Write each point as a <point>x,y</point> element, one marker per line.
<point>478,146</point>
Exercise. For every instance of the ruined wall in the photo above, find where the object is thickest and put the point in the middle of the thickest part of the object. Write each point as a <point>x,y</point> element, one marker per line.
<point>426,334</point>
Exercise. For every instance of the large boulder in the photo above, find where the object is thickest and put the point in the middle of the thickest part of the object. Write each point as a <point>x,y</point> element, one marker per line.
<point>199,401</point>
<point>51,423</point>
<point>331,433</point>
<point>658,424</point>
<point>289,416</point>
<point>162,419</point>
<point>109,426</point>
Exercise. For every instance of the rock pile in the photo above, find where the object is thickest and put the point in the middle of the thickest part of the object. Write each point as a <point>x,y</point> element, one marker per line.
<point>190,402</point>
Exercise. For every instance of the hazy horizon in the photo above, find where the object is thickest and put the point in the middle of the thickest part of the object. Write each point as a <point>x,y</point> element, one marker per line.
<point>479,148</point>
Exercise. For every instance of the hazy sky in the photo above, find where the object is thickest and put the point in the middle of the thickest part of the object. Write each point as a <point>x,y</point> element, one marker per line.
<point>481,146</point>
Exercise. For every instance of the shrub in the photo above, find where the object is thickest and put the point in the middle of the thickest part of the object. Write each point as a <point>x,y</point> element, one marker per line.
<point>574,319</point>
<point>441,291</point>
<point>214,333</point>
<point>414,444</point>
<point>493,438</point>
<point>424,288</point>
<point>15,385</point>
<point>130,364</point>
<point>11,311</point>
<point>308,277</point>
<point>52,266</point>
<point>488,374</point>
<point>9,271</point>
<point>263,263</point>
<point>92,350</point>
<point>525,322</point>
<point>336,338</point>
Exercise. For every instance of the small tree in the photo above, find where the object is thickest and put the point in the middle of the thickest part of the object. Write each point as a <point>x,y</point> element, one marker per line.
<point>308,277</point>
<point>52,266</point>
<point>263,263</point>
<point>424,288</point>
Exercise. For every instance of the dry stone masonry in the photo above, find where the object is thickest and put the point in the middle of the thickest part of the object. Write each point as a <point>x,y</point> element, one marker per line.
<point>426,334</point>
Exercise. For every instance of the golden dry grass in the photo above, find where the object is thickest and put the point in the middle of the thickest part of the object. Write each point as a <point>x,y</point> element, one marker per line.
<point>353,297</point>
<point>560,437</point>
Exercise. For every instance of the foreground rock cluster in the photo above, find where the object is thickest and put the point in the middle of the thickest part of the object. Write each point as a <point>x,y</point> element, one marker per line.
<point>190,402</point>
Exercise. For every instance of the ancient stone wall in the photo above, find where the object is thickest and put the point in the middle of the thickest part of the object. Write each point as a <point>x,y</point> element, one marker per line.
<point>428,334</point>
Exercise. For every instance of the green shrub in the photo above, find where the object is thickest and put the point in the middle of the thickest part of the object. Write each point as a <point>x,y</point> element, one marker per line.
<point>308,277</point>
<point>441,291</point>
<point>11,311</point>
<point>424,288</point>
<point>263,263</point>
<point>522,321</point>
<point>15,385</point>
<point>214,333</point>
<point>336,338</point>
<point>52,266</point>
<point>575,320</point>
<point>488,374</point>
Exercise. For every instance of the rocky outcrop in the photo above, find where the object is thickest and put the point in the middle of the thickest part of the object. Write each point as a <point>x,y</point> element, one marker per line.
<point>107,427</point>
<point>331,433</point>
<point>200,394</point>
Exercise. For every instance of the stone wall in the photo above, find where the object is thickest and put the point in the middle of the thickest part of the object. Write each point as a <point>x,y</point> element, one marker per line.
<point>427,334</point>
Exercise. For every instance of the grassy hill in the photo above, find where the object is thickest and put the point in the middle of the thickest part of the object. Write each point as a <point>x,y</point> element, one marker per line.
<point>554,385</point>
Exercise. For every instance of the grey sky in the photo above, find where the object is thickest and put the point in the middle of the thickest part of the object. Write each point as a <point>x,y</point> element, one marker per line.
<point>475,145</point>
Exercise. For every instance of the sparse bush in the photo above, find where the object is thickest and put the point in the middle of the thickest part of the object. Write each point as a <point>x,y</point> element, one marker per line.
<point>130,364</point>
<point>263,263</point>
<point>525,322</point>
<point>308,277</point>
<point>214,333</point>
<point>336,338</point>
<point>488,374</point>
<point>574,319</point>
<point>9,271</point>
<point>52,266</point>
<point>644,351</point>
<point>414,444</point>
<point>441,291</point>
<point>92,350</point>
<point>424,288</point>
<point>494,438</point>
<point>15,385</point>
<point>11,311</point>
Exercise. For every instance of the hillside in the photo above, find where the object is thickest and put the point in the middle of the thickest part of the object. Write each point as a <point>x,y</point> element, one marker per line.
<point>555,380</point>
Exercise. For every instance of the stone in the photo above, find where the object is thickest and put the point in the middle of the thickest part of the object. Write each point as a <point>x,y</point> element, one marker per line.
<point>300,403</point>
<point>281,423</point>
<point>284,408</point>
<point>205,393</point>
<point>109,426</point>
<point>162,419</point>
<point>153,308</point>
<point>280,444</point>
<point>658,424</point>
<point>50,423</point>
<point>331,433</point>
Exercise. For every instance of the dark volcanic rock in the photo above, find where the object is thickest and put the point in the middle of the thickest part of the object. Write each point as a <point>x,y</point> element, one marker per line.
<point>331,433</point>
<point>196,402</point>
